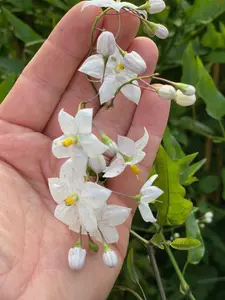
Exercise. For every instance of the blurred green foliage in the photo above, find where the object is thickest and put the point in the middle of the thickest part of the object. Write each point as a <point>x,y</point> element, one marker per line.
<point>195,53</point>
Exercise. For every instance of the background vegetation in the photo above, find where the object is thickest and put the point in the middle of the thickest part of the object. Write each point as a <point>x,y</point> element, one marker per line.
<point>195,52</point>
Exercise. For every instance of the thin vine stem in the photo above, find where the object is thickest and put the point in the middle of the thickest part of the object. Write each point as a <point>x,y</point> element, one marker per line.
<point>126,289</point>
<point>139,238</point>
<point>222,128</point>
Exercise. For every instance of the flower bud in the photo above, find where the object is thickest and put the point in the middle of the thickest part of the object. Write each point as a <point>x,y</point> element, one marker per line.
<point>209,214</point>
<point>184,100</point>
<point>134,62</point>
<point>156,6</point>
<point>76,258</point>
<point>167,92</point>
<point>106,44</point>
<point>161,31</point>
<point>109,257</point>
<point>187,89</point>
<point>176,235</point>
<point>97,164</point>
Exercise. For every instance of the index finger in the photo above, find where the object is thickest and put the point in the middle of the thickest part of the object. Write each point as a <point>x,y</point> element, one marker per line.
<point>38,90</point>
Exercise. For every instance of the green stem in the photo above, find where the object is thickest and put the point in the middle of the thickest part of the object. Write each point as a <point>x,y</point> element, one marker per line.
<point>126,289</point>
<point>184,285</point>
<point>138,237</point>
<point>222,128</point>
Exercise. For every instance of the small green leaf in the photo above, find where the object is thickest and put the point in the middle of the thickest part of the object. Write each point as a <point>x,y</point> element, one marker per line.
<point>216,57</point>
<point>11,65</point>
<point>193,231</point>
<point>185,243</point>
<point>157,240</point>
<point>189,66</point>
<point>214,100</point>
<point>58,3</point>
<point>212,38</point>
<point>174,208</point>
<point>209,184</point>
<point>21,30</point>
<point>187,174</point>
<point>171,145</point>
<point>6,86</point>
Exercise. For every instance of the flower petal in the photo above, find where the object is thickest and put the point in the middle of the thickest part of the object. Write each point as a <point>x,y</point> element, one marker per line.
<point>83,120</point>
<point>143,141</point>
<point>93,66</point>
<point>108,88</point>
<point>126,145</point>
<point>151,194</point>
<point>87,216</point>
<point>116,167</point>
<point>132,92</point>
<point>95,195</point>
<point>138,157</point>
<point>98,164</point>
<point>149,182</point>
<point>67,124</point>
<point>146,213</point>
<point>114,215</point>
<point>110,234</point>
<point>66,214</point>
<point>58,189</point>
<point>92,145</point>
<point>59,150</point>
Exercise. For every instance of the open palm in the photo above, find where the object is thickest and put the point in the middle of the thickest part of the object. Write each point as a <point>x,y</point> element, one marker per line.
<point>33,244</point>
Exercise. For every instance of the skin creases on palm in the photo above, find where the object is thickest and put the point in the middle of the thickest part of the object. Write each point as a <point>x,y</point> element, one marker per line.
<point>33,244</point>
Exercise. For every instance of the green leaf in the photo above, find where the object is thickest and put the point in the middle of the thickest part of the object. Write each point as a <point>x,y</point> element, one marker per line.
<point>214,100</point>
<point>216,57</point>
<point>174,209</point>
<point>171,145</point>
<point>189,66</point>
<point>6,86</point>
<point>11,65</point>
<point>21,30</point>
<point>209,184</point>
<point>23,4</point>
<point>204,11</point>
<point>187,123</point>
<point>223,181</point>
<point>187,175</point>
<point>185,243</point>
<point>58,3</point>
<point>212,38</point>
<point>157,240</point>
<point>193,231</point>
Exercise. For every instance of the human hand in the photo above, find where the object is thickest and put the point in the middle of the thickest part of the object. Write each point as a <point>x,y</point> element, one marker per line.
<point>33,243</point>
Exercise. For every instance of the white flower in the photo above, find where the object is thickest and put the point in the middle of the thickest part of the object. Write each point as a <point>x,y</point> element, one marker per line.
<point>107,218</point>
<point>156,6</point>
<point>116,5</point>
<point>159,30</point>
<point>76,258</point>
<point>184,100</point>
<point>98,164</point>
<point>115,76</point>
<point>176,235</point>
<point>147,195</point>
<point>77,199</point>
<point>134,62</point>
<point>167,92</point>
<point>208,217</point>
<point>112,147</point>
<point>130,153</point>
<point>109,257</point>
<point>77,135</point>
<point>187,89</point>
<point>106,44</point>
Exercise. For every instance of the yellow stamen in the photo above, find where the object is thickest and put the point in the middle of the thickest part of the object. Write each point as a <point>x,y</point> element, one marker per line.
<point>69,141</point>
<point>71,200</point>
<point>121,66</point>
<point>135,169</point>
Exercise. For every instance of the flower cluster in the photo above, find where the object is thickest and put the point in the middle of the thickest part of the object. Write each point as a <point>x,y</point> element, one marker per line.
<point>80,191</point>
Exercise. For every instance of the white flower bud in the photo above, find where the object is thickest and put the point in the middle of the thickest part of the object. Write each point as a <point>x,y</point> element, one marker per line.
<point>161,31</point>
<point>134,62</point>
<point>97,164</point>
<point>184,100</point>
<point>202,225</point>
<point>187,89</point>
<point>167,92</point>
<point>208,220</point>
<point>106,44</point>
<point>176,235</point>
<point>156,6</point>
<point>209,214</point>
<point>76,258</point>
<point>109,257</point>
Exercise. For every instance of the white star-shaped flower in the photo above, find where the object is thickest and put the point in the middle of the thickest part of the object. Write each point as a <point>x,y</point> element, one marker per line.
<point>77,200</point>
<point>148,194</point>
<point>130,153</point>
<point>116,5</point>
<point>107,218</point>
<point>116,74</point>
<point>77,135</point>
